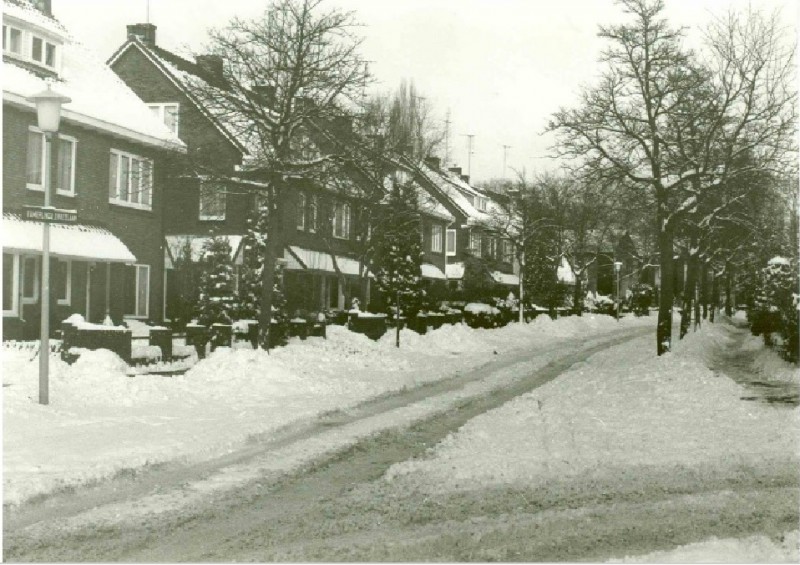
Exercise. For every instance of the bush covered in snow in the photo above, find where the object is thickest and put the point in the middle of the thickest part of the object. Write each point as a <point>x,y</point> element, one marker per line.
<point>775,308</point>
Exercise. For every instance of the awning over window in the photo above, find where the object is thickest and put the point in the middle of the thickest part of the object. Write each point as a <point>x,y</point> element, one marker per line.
<point>455,271</point>
<point>299,259</point>
<point>177,243</point>
<point>74,241</point>
<point>505,278</point>
<point>432,272</point>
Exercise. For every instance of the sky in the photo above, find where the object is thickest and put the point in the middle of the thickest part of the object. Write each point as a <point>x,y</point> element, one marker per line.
<point>499,67</point>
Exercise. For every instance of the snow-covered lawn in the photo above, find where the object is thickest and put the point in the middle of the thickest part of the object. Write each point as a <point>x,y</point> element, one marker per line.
<point>100,420</point>
<point>621,408</point>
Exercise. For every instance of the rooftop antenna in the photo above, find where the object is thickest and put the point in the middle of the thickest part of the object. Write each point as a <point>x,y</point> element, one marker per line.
<point>147,11</point>
<point>505,154</point>
<point>447,123</point>
<point>469,137</point>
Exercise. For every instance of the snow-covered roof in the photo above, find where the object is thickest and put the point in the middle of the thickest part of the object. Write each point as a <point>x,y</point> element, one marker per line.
<point>186,74</point>
<point>459,193</point>
<point>299,259</point>
<point>99,98</point>
<point>564,272</point>
<point>74,241</point>
<point>430,271</point>
<point>25,11</point>
<point>176,244</point>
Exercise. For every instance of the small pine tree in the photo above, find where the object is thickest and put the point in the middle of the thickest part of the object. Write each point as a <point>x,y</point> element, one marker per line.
<point>249,298</point>
<point>216,300</point>
<point>397,263</point>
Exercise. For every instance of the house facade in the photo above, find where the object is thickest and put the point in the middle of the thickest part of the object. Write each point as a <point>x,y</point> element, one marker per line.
<point>325,227</point>
<point>108,165</point>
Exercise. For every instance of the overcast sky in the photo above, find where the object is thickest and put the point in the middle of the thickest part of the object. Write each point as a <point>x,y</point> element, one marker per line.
<point>501,67</point>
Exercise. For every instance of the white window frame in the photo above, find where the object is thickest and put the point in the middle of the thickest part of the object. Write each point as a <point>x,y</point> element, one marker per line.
<point>312,216</point>
<point>43,61</point>
<point>162,114</point>
<point>7,40</point>
<point>436,238</point>
<point>345,210</point>
<point>129,203</point>
<point>135,314</point>
<point>14,310</point>
<point>219,193</point>
<point>36,284</point>
<point>59,189</point>
<point>451,252</point>
<point>29,185</point>
<point>475,240</point>
<point>68,300</point>
<point>301,211</point>
<point>508,251</point>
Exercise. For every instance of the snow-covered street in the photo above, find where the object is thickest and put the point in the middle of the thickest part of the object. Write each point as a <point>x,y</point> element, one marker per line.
<point>616,446</point>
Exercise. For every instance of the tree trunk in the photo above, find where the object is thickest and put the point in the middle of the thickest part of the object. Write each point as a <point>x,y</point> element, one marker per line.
<point>714,296</point>
<point>273,247</point>
<point>689,286</point>
<point>577,297</point>
<point>664,327</point>
<point>728,290</point>
<point>704,289</point>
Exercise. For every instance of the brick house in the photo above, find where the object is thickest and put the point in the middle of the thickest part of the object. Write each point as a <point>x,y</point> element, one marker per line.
<point>107,164</point>
<point>324,227</point>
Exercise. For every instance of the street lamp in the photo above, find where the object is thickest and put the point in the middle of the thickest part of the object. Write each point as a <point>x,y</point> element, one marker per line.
<point>617,267</point>
<point>48,115</point>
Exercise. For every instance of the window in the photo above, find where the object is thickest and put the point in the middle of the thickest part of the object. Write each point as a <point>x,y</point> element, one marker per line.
<point>212,202</point>
<point>43,51</point>
<point>35,160</point>
<point>30,280</point>
<point>475,243</point>
<point>62,283</point>
<point>508,251</point>
<point>130,180</point>
<point>312,215</point>
<point>10,282</point>
<point>341,220</point>
<point>436,238</point>
<point>12,40</point>
<point>65,177</point>
<point>451,243</point>
<point>137,291</point>
<point>168,113</point>
<point>301,211</point>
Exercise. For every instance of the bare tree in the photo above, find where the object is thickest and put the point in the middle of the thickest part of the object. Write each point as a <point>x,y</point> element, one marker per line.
<point>297,64</point>
<point>675,126</point>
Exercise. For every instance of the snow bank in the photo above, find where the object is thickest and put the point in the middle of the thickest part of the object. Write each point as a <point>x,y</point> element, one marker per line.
<point>101,420</point>
<point>624,407</point>
<point>753,549</point>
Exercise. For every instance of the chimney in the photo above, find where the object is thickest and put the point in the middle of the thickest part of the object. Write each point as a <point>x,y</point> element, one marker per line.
<point>211,65</point>
<point>44,6</point>
<point>456,170</point>
<point>465,178</point>
<point>433,162</point>
<point>145,32</point>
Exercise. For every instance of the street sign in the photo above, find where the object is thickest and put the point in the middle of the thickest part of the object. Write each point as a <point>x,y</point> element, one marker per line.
<point>50,214</point>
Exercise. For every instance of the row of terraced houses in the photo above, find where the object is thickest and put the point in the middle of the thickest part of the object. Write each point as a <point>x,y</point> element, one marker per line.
<point>125,159</point>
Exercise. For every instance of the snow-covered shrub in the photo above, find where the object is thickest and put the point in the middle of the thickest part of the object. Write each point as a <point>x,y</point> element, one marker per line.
<point>599,303</point>
<point>216,301</point>
<point>775,306</point>
<point>641,298</point>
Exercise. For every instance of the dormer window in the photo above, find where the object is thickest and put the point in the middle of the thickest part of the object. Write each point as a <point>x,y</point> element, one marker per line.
<point>168,114</point>
<point>12,40</point>
<point>43,52</point>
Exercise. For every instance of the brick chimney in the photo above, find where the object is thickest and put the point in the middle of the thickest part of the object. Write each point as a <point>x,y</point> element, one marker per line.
<point>433,162</point>
<point>211,65</point>
<point>267,93</point>
<point>145,32</point>
<point>456,170</point>
<point>465,178</point>
<point>44,6</point>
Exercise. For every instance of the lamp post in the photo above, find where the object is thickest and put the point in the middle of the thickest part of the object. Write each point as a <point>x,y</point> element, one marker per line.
<point>617,267</point>
<point>48,115</point>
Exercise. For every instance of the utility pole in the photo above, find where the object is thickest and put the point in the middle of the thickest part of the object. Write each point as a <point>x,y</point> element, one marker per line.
<point>505,155</point>
<point>469,137</point>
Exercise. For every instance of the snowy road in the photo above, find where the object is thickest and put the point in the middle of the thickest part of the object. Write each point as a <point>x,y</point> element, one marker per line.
<point>279,500</point>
